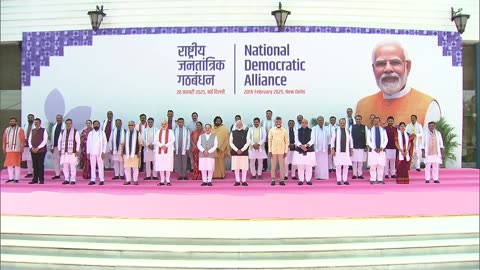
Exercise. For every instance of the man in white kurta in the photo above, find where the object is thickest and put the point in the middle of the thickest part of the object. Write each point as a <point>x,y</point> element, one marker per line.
<point>164,150</point>
<point>332,129</point>
<point>414,128</point>
<point>96,149</point>
<point>69,148</point>
<point>56,130</point>
<point>26,155</point>
<point>292,133</point>
<point>377,141</point>
<point>132,153</point>
<point>342,151</point>
<point>304,155</point>
<point>207,145</point>
<point>322,149</point>
<point>267,124</point>
<point>239,142</point>
<point>182,148</point>
<point>149,150</point>
<point>432,151</point>
<point>256,151</point>
<point>116,151</point>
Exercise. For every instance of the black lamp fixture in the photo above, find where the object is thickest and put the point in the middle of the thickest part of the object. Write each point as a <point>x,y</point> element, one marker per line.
<point>96,17</point>
<point>460,20</point>
<point>280,16</point>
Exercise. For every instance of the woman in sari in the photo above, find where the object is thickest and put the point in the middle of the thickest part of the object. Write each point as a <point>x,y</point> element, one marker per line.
<point>85,159</point>
<point>404,144</point>
<point>195,153</point>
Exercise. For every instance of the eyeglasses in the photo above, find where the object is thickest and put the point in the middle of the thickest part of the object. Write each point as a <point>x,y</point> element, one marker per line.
<point>131,125</point>
<point>396,63</point>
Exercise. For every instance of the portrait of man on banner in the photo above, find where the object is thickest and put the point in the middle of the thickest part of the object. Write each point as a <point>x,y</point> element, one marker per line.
<point>391,67</point>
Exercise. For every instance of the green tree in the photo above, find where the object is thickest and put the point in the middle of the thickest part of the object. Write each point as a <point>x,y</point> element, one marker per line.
<point>450,142</point>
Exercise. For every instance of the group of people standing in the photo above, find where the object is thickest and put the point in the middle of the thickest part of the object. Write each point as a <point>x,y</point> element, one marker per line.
<point>202,149</point>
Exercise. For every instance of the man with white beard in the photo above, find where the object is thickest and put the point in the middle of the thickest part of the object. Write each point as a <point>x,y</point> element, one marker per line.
<point>391,67</point>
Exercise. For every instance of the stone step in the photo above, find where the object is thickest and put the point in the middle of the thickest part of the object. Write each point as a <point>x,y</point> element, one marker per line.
<point>235,241</point>
<point>437,262</point>
<point>239,252</point>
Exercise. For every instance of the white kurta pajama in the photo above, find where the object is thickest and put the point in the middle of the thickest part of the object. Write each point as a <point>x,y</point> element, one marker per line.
<point>96,146</point>
<point>376,161</point>
<point>206,164</point>
<point>240,162</point>
<point>117,151</point>
<point>164,158</point>
<point>131,159</point>
<point>331,132</point>
<point>149,154</point>
<point>321,145</point>
<point>303,162</point>
<point>257,136</point>
<point>417,151</point>
<point>69,154</point>
<point>433,146</point>
<point>342,159</point>
<point>27,155</point>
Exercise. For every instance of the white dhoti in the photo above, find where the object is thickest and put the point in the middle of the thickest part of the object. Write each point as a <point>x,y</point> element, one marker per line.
<point>321,166</point>
<point>391,157</point>
<point>69,163</point>
<point>376,161</point>
<point>164,165</point>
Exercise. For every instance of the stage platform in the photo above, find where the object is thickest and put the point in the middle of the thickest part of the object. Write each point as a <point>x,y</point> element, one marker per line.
<point>457,194</point>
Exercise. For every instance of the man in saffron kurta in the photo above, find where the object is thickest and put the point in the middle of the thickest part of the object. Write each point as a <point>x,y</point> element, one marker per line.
<point>69,147</point>
<point>222,134</point>
<point>132,152</point>
<point>12,144</point>
<point>391,67</point>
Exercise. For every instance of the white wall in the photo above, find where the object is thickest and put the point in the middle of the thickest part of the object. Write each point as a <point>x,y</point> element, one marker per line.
<point>19,16</point>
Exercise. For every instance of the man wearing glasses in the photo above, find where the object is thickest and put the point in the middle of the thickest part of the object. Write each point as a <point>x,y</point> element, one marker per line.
<point>391,67</point>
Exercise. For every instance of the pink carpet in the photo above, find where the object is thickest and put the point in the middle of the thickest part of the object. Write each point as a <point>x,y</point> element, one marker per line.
<point>457,194</point>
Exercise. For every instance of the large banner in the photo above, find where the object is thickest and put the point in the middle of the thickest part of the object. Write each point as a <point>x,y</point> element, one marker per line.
<point>225,71</point>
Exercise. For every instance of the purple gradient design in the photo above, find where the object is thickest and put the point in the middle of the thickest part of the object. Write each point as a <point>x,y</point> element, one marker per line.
<point>55,104</point>
<point>38,47</point>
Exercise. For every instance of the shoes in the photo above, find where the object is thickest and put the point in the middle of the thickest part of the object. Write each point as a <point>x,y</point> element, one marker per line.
<point>346,183</point>
<point>33,182</point>
<point>427,181</point>
<point>101,183</point>
<point>294,178</point>
<point>372,182</point>
<point>330,170</point>
<point>354,177</point>
<point>245,184</point>
<point>394,176</point>
<point>286,178</point>
<point>309,183</point>
<point>147,178</point>
<point>122,177</point>
<point>29,175</point>
<point>56,177</point>
<point>185,178</point>
<point>253,177</point>
<point>361,177</point>
<point>91,183</point>
<point>116,178</point>
<point>16,182</point>
<point>386,177</point>
<point>161,184</point>
<point>282,183</point>
<point>259,177</point>
<point>381,182</point>
<point>65,182</point>
<point>135,183</point>
<point>73,183</point>
<point>126,183</point>
<point>180,178</point>
<point>41,182</point>
<point>203,184</point>
<point>273,183</point>
<point>418,170</point>
<point>210,184</point>
<point>436,182</point>
<point>9,181</point>
<point>155,178</point>
<point>168,184</point>
<point>339,183</point>
<point>300,183</point>
<point>236,184</point>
